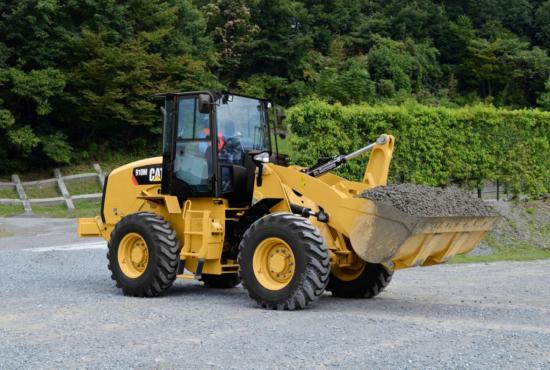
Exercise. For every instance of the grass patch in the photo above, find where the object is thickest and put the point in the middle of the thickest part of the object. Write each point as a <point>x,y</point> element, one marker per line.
<point>107,159</point>
<point>35,192</point>
<point>83,209</point>
<point>6,211</point>
<point>65,171</point>
<point>8,193</point>
<point>41,174</point>
<point>76,169</point>
<point>513,253</point>
<point>115,162</point>
<point>283,144</point>
<point>110,160</point>
<point>83,187</point>
<point>109,163</point>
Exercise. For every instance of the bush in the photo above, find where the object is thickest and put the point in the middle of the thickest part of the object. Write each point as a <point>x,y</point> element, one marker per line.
<point>434,146</point>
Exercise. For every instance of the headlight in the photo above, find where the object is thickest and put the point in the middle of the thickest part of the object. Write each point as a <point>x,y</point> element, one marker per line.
<point>262,157</point>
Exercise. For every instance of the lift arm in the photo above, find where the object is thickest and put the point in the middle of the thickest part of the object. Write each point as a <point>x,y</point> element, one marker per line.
<point>377,169</point>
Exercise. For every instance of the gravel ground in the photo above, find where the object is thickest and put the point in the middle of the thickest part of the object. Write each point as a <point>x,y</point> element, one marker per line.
<point>59,309</point>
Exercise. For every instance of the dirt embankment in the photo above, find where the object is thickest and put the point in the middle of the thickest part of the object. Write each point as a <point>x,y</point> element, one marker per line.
<point>522,224</point>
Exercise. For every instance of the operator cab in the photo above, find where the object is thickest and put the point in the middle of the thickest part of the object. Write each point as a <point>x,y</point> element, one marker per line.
<point>209,144</point>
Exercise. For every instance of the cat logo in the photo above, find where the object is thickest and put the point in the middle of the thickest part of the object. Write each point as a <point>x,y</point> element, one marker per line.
<point>155,174</point>
<point>146,175</point>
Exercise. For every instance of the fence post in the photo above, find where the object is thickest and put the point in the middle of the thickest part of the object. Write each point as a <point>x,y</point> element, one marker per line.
<point>21,192</point>
<point>68,201</point>
<point>100,174</point>
<point>506,191</point>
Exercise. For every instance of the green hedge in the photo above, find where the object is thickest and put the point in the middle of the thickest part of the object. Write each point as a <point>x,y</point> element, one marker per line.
<point>434,146</point>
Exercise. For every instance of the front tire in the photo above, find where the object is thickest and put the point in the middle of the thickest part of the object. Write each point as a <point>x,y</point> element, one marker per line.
<point>143,255</point>
<point>283,262</point>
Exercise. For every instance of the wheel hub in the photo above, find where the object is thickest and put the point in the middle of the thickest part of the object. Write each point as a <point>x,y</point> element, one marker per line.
<point>274,263</point>
<point>351,272</point>
<point>277,263</point>
<point>138,255</point>
<point>133,255</point>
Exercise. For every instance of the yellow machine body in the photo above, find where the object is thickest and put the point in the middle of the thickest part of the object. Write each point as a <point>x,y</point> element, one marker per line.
<point>357,229</point>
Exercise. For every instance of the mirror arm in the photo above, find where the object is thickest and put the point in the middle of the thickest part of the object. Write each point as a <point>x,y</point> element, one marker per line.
<point>260,174</point>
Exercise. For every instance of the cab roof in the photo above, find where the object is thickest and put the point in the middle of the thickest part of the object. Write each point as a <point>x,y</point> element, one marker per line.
<point>215,94</point>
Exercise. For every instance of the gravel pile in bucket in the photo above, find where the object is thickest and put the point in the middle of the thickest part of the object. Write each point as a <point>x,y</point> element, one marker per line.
<point>426,201</point>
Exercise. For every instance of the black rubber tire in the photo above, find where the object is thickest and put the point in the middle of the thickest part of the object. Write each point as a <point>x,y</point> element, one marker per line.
<point>163,247</point>
<point>372,281</point>
<point>312,263</point>
<point>224,281</point>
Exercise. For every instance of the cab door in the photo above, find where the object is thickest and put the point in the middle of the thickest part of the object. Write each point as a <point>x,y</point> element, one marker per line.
<point>191,159</point>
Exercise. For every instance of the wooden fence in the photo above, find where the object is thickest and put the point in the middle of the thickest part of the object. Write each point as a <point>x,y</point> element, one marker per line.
<point>58,181</point>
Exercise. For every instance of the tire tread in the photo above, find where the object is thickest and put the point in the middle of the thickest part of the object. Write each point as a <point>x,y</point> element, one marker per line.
<point>168,247</point>
<point>316,276</point>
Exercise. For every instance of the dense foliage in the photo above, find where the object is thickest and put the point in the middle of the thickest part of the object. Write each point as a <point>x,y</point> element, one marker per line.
<point>435,145</point>
<point>75,74</point>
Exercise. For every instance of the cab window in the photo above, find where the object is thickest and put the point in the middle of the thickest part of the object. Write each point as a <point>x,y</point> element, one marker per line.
<point>193,158</point>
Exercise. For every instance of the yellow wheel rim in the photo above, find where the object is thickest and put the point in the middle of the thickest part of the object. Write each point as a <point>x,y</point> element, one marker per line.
<point>349,273</point>
<point>133,255</point>
<point>274,263</point>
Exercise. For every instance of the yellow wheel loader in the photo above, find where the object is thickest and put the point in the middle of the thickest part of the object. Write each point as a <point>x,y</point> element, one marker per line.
<point>221,205</point>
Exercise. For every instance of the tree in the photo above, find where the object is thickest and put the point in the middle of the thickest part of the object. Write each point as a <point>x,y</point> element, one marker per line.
<point>348,83</point>
<point>73,70</point>
<point>281,41</point>
<point>115,78</point>
<point>232,29</point>
<point>544,100</point>
<point>506,68</point>
<point>542,22</point>
<point>405,66</point>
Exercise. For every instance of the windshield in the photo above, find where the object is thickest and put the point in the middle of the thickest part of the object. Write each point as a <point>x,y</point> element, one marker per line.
<point>244,119</point>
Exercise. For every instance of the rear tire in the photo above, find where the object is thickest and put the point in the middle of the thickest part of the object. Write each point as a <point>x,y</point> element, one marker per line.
<point>283,262</point>
<point>224,281</point>
<point>156,270</point>
<point>371,282</point>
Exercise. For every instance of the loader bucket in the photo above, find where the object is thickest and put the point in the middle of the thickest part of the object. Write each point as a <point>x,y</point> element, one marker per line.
<point>380,233</point>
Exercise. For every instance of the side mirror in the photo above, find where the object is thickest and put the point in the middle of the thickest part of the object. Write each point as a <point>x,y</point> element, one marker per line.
<point>259,160</point>
<point>282,133</point>
<point>205,103</point>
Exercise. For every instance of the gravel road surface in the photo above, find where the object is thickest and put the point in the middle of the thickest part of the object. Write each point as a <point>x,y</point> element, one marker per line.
<point>59,309</point>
